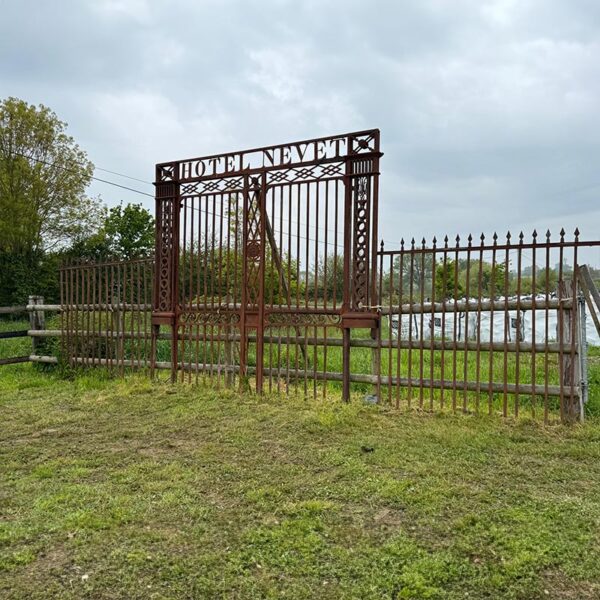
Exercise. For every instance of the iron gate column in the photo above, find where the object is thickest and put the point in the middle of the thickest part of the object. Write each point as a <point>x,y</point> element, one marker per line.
<point>359,309</point>
<point>165,302</point>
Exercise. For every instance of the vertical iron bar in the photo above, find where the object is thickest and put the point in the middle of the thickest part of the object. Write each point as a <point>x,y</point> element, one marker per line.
<point>561,326</point>
<point>466,330</point>
<point>533,323</point>
<point>432,333</point>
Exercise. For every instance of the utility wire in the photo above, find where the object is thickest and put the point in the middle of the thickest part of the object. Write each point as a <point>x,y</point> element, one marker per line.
<point>45,162</point>
<point>123,187</point>
<point>123,175</point>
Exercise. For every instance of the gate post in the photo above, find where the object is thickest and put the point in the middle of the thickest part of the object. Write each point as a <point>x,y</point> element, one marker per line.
<point>359,306</point>
<point>166,269</point>
<point>348,226</point>
<point>37,321</point>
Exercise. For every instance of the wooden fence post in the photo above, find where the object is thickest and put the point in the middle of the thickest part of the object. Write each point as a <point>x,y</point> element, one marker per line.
<point>376,362</point>
<point>37,321</point>
<point>582,356</point>
<point>591,294</point>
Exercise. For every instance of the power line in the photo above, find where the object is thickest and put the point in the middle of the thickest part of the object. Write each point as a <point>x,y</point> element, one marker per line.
<point>123,175</point>
<point>44,162</point>
<point>123,187</point>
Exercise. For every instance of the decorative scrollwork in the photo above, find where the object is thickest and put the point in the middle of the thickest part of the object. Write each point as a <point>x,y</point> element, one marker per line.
<point>212,186</point>
<point>164,264</point>
<point>360,276</point>
<point>360,144</point>
<point>254,248</point>
<point>309,173</point>
<point>166,173</point>
<point>297,319</point>
<point>213,317</point>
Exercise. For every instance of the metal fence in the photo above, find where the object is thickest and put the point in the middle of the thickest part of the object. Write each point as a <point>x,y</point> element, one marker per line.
<point>495,328</point>
<point>268,277</point>
<point>484,326</point>
<point>105,314</point>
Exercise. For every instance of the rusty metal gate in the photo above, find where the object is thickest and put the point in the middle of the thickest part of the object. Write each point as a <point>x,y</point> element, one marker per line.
<point>260,249</point>
<point>267,275</point>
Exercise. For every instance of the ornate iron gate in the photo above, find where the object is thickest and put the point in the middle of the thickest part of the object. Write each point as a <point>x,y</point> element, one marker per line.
<point>256,248</point>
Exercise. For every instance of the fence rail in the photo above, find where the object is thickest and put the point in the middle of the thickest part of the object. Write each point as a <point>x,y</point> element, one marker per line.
<point>36,322</point>
<point>465,328</point>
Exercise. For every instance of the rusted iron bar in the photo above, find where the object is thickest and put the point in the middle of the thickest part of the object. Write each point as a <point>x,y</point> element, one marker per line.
<point>320,375</point>
<point>530,246</point>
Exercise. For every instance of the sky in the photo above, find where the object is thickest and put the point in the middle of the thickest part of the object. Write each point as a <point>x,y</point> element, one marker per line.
<point>488,110</point>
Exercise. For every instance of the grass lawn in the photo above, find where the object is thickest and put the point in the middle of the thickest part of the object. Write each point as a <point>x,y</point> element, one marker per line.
<point>128,489</point>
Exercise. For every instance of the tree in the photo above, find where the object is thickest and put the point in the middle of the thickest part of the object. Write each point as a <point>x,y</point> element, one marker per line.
<point>126,233</point>
<point>43,177</point>
<point>330,279</point>
<point>130,231</point>
<point>447,285</point>
<point>490,277</point>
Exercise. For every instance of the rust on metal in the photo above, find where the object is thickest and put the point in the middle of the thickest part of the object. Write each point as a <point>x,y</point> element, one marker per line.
<point>268,262</point>
<point>250,233</point>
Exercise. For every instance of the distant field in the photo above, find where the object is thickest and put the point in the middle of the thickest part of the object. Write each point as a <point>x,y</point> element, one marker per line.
<point>128,489</point>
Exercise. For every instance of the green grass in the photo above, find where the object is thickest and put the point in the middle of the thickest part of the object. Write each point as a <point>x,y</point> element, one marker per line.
<point>129,489</point>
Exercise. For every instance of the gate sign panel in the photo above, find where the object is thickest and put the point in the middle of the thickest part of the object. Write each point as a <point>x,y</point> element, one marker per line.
<point>266,242</point>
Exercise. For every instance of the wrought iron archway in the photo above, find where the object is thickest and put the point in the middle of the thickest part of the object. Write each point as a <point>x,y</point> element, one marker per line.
<point>243,245</point>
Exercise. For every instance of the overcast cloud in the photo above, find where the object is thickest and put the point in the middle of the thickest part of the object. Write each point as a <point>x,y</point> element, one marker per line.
<point>489,110</point>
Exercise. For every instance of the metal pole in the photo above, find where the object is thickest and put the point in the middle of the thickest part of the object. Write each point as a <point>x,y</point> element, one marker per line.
<point>583,351</point>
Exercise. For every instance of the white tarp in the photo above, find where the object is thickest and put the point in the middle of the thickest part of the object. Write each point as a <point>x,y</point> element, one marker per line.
<point>493,327</point>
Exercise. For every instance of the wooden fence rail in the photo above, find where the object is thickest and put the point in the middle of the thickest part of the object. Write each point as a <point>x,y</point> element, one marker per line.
<point>36,309</point>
